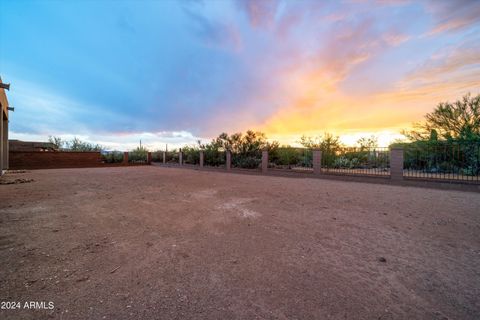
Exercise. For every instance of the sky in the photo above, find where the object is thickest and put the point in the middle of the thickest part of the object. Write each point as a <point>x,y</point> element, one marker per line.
<point>173,72</point>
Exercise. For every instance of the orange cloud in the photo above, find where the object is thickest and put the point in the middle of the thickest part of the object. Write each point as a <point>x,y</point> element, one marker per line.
<point>316,104</point>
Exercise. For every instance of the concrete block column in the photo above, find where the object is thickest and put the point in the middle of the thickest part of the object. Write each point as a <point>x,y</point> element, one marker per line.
<point>2,138</point>
<point>317,161</point>
<point>180,157</point>
<point>396,163</point>
<point>228,160</point>
<point>202,158</point>
<point>264,161</point>
<point>164,157</point>
<point>125,157</point>
<point>149,158</point>
<point>5,144</point>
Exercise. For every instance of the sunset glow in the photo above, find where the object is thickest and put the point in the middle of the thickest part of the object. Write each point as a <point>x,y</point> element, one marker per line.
<point>178,71</point>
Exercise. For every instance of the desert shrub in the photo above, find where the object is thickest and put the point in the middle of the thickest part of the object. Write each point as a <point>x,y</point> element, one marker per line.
<point>213,157</point>
<point>251,161</point>
<point>344,162</point>
<point>139,154</point>
<point>112,157</point>
<point>171,156</point>
<point>341,162</point>
<point>157,156</point>
<point>287,156</point>
<point>191,155</point>
<point>306,157</point>
<point>453,122</point>
<point>246,149</point>
<point>74,145</point>
<point>443,157</point>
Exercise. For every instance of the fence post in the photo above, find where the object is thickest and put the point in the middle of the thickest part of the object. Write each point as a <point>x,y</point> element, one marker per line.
<point>2,139</point>
<point>201,159</point>
<point>149,158</point>
<point>180,157</point>
<point>228,161</point>
<point>125,157</point>
<point>5,146</point>
<point>264,161</point>
<point>317,161</point>
<point>164,157</point>
<point>396,163</point>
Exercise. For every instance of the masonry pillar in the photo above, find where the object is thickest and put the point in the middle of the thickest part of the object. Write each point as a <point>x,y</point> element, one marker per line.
<point>317,161</point>
<point>125,157</point>
<point>180,157</point>
<point>5,145</point>
<point>2,138</point>
<point>396,163</point>
<point>202,158</point>
<point>228,160</point>
<point>149,158</point>
<point>164,157</point>
<point>264,161</point>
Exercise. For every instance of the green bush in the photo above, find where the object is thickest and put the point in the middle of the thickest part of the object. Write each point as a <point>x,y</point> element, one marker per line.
<point>443,157</point>
<point>252,161</point>
<point>138,155</point>
<point>113,157</point>
<point>214,157</point>
<point>344,162</point>
<point>157,156</point>
<point>291,157</point>
<point>191,155</point>
<point>285,156</point>
<point>171,156</point>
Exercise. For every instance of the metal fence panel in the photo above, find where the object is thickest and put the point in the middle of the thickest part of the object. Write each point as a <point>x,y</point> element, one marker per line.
<point>356,161</point>
<point>171,157</point>
<point>247,160</point>
<point>191,157</point>
<point>290,158</point>
<point>443,161</point>
<point>214,158</point>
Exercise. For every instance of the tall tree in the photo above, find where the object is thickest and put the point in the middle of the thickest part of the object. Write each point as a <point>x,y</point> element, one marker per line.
<point>56,141</point>
<point>450,121</point>
<point>326,142</point>
<point>368,142</point>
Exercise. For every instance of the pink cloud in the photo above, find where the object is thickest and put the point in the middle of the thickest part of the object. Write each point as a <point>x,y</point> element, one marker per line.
<point>453,15</point>
<point>260,13</point>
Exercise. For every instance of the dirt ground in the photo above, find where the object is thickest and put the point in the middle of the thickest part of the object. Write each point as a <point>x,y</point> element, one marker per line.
<point>165,243</point>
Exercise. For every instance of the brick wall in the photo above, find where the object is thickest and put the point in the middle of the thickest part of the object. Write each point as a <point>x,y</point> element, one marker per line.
<point>50,160</point>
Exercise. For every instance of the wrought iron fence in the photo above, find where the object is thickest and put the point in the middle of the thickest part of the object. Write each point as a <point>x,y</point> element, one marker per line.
<point>290,158</point>
<point>443,161</point>
<point>191,156</point>
<point>214,158</point>
<point>137,157</point>
<point>356,161</point>
<point>157,156</point>
<point>247,160</point>
<point>171,157</point>
<point>112,157</point>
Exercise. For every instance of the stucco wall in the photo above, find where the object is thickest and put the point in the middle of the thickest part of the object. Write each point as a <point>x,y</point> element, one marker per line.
<point>49,160</point>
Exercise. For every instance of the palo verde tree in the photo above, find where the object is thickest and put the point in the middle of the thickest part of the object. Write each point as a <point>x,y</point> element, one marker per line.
<point>246,148</point>
<point>139,154</point>
<point>448,140</point>
<point>74,145</point>
<point>367,142</point>
<point>457,121</point>
<point>327,142</point>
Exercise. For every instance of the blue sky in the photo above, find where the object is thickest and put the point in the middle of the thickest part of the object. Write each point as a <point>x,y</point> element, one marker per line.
<point>172,72</point>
